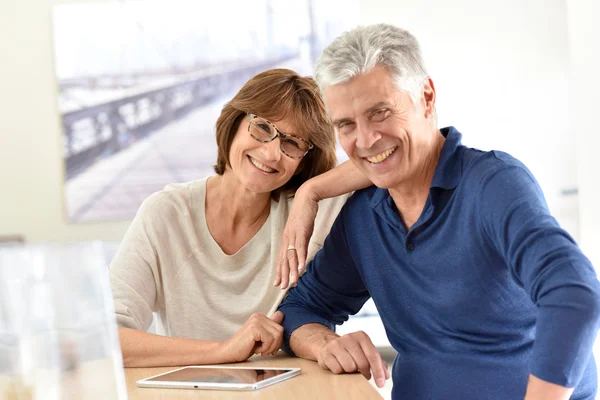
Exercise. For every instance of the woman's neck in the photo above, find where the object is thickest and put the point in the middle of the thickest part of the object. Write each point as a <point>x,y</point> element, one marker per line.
<point>228,198</point>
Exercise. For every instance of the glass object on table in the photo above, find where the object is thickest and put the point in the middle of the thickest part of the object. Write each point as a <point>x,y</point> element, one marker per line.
<point>60,326</point>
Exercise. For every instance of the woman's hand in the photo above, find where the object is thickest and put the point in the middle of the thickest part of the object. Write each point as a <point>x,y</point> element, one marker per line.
<point>259,335</point>
<point>296,235</point>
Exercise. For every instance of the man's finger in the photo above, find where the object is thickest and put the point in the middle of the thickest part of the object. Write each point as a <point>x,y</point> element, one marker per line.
<point>330,362</point>
<point>346,361</point>
<point>375,361</point>
<point>361,361</point>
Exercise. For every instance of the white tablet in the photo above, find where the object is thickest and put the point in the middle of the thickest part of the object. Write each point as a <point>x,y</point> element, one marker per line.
<point>219,378</point>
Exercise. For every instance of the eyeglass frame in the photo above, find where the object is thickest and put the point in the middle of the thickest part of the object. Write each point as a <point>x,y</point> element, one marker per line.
<point>279,135</point>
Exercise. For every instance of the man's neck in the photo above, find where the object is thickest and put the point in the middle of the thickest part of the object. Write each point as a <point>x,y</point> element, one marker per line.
<point>411,195</point>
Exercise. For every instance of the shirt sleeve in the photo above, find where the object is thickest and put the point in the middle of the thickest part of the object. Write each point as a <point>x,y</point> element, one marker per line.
<point>548,264</point>
<point>329,291</point>
<point>134,269</point>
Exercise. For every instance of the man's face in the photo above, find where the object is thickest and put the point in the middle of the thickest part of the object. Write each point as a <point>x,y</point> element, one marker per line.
<point>382,130</point>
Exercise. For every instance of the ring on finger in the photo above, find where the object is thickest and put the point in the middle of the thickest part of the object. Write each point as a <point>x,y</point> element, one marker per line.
<point>291,247</point>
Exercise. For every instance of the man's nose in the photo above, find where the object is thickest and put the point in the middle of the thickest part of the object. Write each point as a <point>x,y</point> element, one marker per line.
<point>367,136</point>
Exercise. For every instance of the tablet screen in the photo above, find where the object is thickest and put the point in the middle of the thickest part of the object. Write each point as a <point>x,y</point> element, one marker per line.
<point>219,375</point>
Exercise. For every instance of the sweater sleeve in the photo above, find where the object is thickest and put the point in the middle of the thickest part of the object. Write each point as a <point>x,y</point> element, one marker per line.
<point>548,264</point>
<point>329,291</point>
<point>133,271</point>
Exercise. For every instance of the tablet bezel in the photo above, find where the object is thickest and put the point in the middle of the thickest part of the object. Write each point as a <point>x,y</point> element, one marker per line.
<point>146,383</point>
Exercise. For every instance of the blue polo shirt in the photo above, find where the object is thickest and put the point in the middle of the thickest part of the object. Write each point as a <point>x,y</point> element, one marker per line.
<point>484,289</point>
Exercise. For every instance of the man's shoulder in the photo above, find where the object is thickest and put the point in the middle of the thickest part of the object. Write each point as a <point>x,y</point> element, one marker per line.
<point>365,195</point>
<point>362,200</point>
<point>479,166</point>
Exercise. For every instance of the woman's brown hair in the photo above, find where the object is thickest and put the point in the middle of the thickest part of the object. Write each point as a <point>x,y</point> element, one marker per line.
<point>278,94</point>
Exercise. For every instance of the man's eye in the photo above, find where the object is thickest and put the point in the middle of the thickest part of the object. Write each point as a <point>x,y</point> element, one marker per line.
<point>379,115</point>
<point>345,126</point>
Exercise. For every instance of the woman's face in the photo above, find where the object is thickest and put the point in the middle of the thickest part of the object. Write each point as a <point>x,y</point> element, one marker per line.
<point>262,167</point>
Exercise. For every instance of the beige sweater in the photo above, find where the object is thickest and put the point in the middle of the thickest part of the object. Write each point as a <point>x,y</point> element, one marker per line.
<point>169,263</point>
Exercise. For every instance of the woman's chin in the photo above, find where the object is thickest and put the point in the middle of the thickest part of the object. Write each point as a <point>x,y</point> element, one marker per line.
<point>258,188</point>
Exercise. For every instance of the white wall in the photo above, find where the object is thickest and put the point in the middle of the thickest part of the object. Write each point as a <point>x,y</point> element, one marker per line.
<point>584,43</point>
<point>500,70</point>
<point>31,174</point>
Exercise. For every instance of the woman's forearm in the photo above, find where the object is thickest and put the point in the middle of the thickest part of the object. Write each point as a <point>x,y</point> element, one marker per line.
<point>344,178</point>
<point>143,349</point>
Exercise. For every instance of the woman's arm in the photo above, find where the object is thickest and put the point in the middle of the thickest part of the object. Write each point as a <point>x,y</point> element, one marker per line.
<point>260,335</point>
<point>143,349</point>
<point>344,178</point>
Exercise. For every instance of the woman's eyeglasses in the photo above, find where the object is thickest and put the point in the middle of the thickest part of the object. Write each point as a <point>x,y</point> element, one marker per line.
<point>264,131</point>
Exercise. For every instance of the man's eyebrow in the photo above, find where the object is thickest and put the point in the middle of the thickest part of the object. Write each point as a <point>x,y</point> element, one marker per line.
<point>338,121</point>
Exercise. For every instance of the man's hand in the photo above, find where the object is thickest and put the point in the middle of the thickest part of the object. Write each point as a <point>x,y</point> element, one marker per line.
<point>351,353</point>
<point>260,335</point>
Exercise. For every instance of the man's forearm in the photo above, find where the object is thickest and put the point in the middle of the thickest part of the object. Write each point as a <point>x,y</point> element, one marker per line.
<point>307,341</point>
<point>143,349</point>
<point>344,178</point>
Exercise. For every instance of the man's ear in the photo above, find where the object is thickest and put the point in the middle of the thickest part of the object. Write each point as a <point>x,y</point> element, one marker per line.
<point>429,97</point>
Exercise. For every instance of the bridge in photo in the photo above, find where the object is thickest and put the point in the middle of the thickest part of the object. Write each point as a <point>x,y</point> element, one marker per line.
<point>153,131</point>
<point>143,103</point>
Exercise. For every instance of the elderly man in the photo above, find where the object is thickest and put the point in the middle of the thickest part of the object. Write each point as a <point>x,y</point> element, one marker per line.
<point>480,291</point>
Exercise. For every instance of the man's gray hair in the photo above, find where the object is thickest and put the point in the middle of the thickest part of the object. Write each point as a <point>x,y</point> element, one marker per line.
<point>360,49</point>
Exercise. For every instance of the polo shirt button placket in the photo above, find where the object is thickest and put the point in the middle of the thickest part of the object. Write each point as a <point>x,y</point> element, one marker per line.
<point>410,247</point>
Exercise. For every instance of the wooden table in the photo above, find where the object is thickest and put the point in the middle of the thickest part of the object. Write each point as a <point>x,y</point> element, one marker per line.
<point>314,383</point>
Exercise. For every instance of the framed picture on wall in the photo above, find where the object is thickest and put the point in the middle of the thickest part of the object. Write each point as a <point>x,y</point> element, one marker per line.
<point>141,84</point>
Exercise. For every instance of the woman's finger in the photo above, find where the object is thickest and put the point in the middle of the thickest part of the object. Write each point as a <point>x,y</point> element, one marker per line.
<point>277,280</point>
<point>292,259</point>
<point>301,250</point>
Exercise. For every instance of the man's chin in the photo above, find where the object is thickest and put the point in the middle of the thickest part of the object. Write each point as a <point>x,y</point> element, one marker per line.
<point>379,182</point>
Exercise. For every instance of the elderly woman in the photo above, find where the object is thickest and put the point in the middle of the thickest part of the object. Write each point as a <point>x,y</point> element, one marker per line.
<point>203,254</point>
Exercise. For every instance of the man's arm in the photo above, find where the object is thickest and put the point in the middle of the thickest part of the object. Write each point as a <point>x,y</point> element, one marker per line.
<point>308,340</point>
<point>327,294</point>
<point>561,281</point>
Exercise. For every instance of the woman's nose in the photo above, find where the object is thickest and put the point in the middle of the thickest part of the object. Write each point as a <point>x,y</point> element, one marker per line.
<point>272,150</point>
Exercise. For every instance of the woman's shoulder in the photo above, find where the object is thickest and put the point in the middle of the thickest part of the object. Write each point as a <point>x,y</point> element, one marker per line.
<point>175,198</point>
<point>334,204</point>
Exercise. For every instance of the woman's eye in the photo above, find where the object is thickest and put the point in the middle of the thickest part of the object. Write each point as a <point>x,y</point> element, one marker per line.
<point>292,142</point>
<point>264,127</point>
